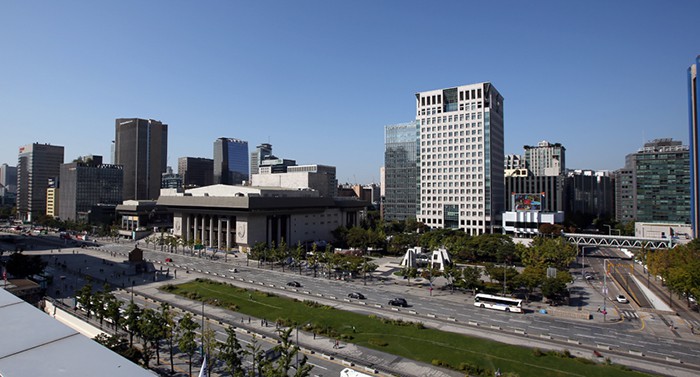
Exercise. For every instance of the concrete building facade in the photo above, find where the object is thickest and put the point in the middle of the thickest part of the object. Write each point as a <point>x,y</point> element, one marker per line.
<point>86,183</point>
<point>461,158</point>
<point>320,178</point>
<point>196,171</point>
<point>141,147</point>
<point>237,217</point>
<point>546,159</point>
<point>36,165</point>
<point>261,152</point>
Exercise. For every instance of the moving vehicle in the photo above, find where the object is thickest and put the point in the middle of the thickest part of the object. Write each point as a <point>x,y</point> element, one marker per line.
<point>294,284</point>
<point>356,295</point>
<point>622,299</point>
<point>507,304</point>
<point>232,270</point>
<point>169,260</point>
<point>398,301</point>
<point>347,372</point>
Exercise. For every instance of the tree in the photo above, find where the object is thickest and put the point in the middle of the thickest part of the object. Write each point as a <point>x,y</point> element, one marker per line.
<point>85,298</point>
<point>430,274</point>
<point>231,353</point>
<point>21,266</point>
<point>452,274</point>
<point>255,351</point>
<point>531,278</point>
<point>186,340</point>
<point>497,272</point>
<point>209,346</point>
<point>548,252</point>
<point>287,350</point>
<point>555,288</point>
<point>151,333</point>
<point>132,316</point>
<point>299,254</point>
<point>409,273</point>
<point>471,276</point>
<point>113,309</point>
<point>167,318</point>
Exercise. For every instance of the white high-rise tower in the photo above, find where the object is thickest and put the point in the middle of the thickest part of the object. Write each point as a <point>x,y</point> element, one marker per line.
<point>461,149</point>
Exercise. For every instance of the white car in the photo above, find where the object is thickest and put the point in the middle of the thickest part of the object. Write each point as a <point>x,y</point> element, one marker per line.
<point>233,270</point>
<point>621,299</point>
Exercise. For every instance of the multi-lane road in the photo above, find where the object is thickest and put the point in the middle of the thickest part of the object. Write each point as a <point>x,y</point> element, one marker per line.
<point>636,340</point>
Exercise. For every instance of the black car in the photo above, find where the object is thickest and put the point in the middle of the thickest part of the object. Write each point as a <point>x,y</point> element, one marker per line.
<point>294,284</point>
<point>398,302</point>
<point>356,295</point>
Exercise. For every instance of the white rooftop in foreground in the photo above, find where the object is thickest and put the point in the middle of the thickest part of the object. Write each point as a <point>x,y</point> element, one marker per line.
<point>34,344</point>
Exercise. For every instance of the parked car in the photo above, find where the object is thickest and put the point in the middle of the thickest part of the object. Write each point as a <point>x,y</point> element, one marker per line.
<point>294,284</point>
<point>398,301</point>
<point>589,277</point>
<point>356,295</point>
<point>233,270</point>
<point>621,299</point>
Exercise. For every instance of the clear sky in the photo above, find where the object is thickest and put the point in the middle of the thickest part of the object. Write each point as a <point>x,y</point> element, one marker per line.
<point>320,80</point>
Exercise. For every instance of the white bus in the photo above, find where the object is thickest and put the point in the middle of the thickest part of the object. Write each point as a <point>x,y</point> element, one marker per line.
<point>347,372</point>
<point>483,300</point>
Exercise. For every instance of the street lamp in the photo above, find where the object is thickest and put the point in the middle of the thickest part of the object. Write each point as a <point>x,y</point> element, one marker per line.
<point>609,229</point>
<point>605,287</point>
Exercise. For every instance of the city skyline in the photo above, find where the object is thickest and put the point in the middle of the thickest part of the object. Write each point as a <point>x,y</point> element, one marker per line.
<point>592,81</point>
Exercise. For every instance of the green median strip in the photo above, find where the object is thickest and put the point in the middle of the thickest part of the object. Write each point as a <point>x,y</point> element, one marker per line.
<point>412,340</point>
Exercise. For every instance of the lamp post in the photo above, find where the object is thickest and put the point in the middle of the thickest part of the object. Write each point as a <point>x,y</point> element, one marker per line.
<point>609,229</point>
<point>605,287</point>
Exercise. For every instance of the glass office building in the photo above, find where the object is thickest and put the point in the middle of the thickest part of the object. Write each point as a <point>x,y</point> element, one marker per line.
<point>401,164</point>
<point>230,161</point>
<point>663,182</point>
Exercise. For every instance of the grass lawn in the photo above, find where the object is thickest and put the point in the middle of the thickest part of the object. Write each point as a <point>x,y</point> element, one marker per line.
<point>406,339</point>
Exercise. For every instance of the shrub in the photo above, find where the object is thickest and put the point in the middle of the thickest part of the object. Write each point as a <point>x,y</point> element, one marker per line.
<point>377,342</point>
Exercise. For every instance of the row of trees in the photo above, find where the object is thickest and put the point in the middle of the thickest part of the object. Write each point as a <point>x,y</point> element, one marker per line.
<point>542,254</point>
<point>162,328</point>
<point>679,267</point>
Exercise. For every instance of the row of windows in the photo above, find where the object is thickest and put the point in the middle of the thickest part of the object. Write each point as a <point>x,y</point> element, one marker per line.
<point>451,184</point>
<point>450,148</point>
<point>444,177</point>
<point>449,134</point>
<point>450,170</point>
<point>444,119</point>
<point>450,156</point>
<point>436,99</point>
<point>449,127</point>
<point>474,139</point>
<point>439,213</point>
<point>438,110</point>
<point>450,191</point>
<point>454,199</point>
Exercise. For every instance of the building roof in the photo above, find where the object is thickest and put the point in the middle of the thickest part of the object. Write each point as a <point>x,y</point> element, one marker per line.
<point>34,344</point>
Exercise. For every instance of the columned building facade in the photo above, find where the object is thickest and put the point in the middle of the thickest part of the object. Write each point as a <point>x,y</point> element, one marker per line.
<point>238,217</point>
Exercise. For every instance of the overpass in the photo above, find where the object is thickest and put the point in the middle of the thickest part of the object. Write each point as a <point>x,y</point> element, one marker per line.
<point>581,239</point>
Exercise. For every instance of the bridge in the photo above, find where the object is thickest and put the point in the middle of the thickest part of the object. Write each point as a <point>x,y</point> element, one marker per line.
<point>581,239</point>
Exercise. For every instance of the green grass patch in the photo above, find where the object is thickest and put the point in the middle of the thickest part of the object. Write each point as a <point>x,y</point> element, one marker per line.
<point>478,357</point>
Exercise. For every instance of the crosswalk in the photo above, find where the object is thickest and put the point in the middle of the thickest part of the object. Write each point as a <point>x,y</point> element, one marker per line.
<point>630,315</point>
<point>694,323</point>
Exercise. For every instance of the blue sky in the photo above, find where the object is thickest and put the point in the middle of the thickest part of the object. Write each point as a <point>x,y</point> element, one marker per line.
<point>319,80</point>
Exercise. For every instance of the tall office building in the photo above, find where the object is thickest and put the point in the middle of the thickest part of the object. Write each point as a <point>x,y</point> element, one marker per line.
<point>693,110</point>
<point>230,161</point>
<point>626,191</point>
<point>261,152</point>
<point>86,183</point>
<point>401,167</point>
<point>589,195</point>
<point>663,182</point>
<point>36,165</point>
<point>545,159</point>
<point>461,158</point>
<point>196,171</point>
<point>141,147</point>
<point>8,185</point>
